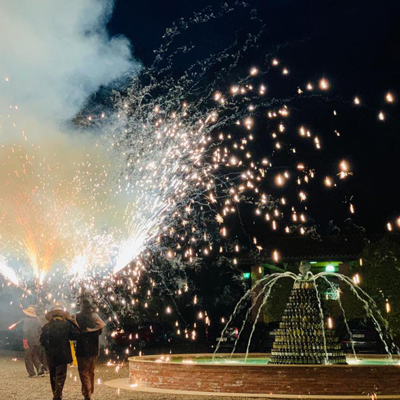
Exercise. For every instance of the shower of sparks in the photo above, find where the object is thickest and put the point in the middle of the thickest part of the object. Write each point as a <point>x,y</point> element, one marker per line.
<point>163,174</point>
<point>169,162</point>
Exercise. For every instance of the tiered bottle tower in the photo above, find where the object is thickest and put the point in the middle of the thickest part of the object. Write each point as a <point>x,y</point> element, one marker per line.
<point>302,337</point>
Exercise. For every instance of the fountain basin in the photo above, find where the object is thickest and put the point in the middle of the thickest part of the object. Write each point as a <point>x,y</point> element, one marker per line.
<point>198,373</point>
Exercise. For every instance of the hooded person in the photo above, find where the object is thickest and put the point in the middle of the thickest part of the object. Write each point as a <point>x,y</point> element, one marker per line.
<point>31,342</point>
<point>55,338</point>
<point>88,344</point>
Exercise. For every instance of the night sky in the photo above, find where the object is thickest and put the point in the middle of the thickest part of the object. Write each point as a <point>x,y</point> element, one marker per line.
<point>356,45</point>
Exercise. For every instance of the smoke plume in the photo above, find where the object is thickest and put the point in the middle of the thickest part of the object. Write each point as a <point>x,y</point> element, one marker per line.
<point>53,181</point>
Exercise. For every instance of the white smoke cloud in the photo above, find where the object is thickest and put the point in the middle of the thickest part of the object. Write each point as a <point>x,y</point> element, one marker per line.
<point>55,193</point>
<point>56,53</point>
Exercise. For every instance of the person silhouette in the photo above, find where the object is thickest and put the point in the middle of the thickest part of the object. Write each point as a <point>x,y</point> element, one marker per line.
<point>87,345</point>
<point>31,342</point>
<point>55,338</point>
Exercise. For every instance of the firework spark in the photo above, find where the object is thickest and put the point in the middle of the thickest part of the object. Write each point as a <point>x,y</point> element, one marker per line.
<point>8,272</point>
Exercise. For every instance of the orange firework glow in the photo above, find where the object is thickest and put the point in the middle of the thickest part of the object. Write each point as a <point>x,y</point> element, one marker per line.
<point>31,211</point>
<point>41,235</point>
<point>48,204</point>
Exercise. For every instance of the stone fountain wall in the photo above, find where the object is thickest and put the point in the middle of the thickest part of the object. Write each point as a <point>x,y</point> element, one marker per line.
<point>267,379</point>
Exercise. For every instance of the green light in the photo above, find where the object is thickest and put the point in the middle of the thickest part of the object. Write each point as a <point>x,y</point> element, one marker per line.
<point>246,275</point>
<point>330,268</point>
<point>313,262</point>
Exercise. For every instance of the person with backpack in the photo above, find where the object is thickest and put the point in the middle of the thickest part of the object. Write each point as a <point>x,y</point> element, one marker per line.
<point>88,344</point>
<point>55,338</point>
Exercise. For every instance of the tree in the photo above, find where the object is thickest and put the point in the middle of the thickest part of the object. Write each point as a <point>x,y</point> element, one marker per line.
<point>380,278</point>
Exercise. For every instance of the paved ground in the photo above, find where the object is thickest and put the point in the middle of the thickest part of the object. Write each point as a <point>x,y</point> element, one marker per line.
<point>15,384</point>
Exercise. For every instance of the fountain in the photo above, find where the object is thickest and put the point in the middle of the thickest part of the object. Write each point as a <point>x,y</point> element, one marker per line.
<point>306,360</point>
<point>302,337</point>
